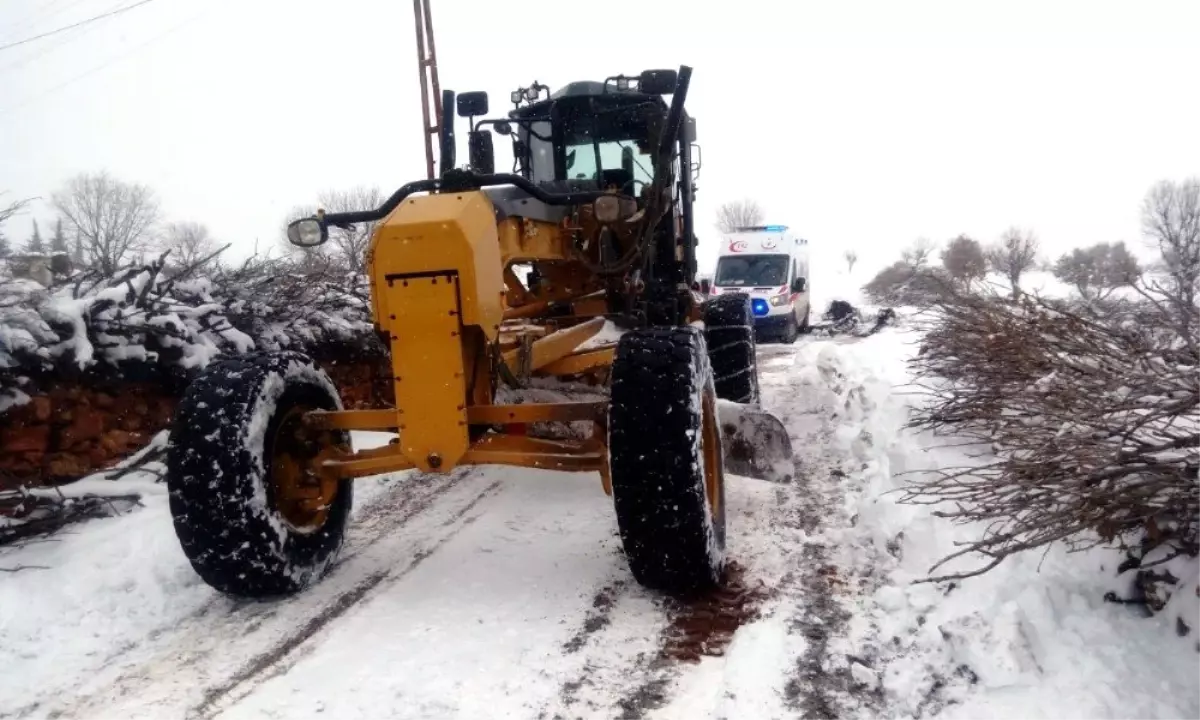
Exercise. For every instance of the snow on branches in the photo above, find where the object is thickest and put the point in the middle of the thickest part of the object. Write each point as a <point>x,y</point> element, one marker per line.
<point>1085,415</point>
<point>172,320</point>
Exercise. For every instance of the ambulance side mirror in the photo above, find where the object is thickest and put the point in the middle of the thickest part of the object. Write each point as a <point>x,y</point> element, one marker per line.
<point>798,285</point>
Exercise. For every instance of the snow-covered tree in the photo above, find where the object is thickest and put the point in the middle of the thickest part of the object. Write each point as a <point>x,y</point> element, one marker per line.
<point>35,245</point>
<point>58,244</point>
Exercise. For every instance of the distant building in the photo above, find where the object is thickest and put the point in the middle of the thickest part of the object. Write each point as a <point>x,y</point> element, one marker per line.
<point>40,267</point>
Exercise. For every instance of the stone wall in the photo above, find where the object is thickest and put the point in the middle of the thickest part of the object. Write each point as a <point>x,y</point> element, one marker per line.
<point>81,426</point>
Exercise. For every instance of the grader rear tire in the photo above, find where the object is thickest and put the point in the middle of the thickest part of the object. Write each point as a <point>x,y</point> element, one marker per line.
<point>235,476</point>
<point>666,462</point>
<point>729,333</point>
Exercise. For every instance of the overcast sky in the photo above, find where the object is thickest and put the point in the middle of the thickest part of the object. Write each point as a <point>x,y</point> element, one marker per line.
<point>861,124</point>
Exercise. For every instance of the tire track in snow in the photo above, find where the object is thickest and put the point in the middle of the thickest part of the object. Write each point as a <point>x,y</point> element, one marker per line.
<point>181,668</point>
<point>284,655</point>
<point>636,664</point>
<point>811,514</point>
<point>614,655</point>
<point>633,644</point>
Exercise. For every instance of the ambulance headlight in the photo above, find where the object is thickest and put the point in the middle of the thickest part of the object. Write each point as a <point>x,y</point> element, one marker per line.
<point>779,300</point>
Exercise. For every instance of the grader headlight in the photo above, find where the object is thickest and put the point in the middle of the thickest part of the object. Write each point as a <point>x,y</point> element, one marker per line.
<point>308,232</point>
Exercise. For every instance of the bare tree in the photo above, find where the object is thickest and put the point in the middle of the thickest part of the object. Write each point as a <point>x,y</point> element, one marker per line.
<point>851,258</point>
<point>910,280</point>
<point>7,212</point>
<point>1171,221</point>
<point>189,243</point>
<point>1097,270</point>
<point>739,214</point>
<point>111,218</point>
<point>916,256</point>
<point>1013,256</point>
<point>964,261</point>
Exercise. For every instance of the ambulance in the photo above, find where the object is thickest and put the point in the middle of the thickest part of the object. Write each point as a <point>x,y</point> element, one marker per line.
<point>770,264</point>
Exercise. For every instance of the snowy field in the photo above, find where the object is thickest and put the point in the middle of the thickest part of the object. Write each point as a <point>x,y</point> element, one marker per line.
<point>502,593</point>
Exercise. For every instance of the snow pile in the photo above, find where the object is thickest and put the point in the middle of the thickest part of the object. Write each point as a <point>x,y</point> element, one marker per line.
<point>143,315</point>
<point>1032,638</point>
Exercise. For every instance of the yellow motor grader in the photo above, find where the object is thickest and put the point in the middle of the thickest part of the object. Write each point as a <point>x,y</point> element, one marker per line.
<point>597,216</point>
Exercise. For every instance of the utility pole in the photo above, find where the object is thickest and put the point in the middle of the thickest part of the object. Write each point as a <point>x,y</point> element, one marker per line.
<point>427,66</point>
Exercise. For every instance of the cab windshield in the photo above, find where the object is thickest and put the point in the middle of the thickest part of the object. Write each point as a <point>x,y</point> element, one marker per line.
<point>598,141</point>
<point>588,158</point>
<point>752,271</point>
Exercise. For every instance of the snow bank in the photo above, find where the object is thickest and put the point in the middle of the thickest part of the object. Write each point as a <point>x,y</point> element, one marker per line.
<point>1032,638</point>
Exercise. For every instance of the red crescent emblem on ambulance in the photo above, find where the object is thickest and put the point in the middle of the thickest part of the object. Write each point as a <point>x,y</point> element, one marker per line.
<point>737,246</point>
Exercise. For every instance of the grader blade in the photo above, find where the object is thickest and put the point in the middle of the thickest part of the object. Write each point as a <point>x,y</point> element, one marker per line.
<point>755,443</point>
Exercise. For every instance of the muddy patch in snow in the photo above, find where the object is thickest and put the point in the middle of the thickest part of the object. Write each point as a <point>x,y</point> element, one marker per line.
<point>598,618</point>
<point>705,625</point>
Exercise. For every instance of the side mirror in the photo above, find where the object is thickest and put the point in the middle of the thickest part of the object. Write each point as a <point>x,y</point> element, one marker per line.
<point>502,128</point>
<point>798,285</point>
<point>446,134</point>
<point>689,130</point>
<point>706,286</point>
<point>307,232</point>
<point>472,104</point>
<point>658,82</point>
<point>481,153</point>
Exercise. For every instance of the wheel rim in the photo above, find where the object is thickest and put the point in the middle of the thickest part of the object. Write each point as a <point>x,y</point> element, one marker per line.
<point>710,447</point>
<point>301,496</point>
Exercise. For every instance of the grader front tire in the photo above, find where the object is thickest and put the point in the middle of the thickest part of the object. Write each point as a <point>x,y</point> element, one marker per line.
<point>729,334</point>
<point>666,461</point>
<point>241,502</point>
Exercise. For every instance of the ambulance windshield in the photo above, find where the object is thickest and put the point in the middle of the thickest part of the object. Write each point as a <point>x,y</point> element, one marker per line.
<point>752,270</point>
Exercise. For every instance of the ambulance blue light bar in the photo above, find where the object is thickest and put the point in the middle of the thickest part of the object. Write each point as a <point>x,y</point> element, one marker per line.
<point>763,228</point>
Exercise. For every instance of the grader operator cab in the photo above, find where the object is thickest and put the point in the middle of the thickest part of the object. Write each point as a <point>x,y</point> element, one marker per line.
<point>599,206</point>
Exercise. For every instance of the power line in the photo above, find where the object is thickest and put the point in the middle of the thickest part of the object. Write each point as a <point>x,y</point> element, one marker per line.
<point>4,112</point>
<point>29,21</point>
<point>58,42</point>
<point>118,11</point>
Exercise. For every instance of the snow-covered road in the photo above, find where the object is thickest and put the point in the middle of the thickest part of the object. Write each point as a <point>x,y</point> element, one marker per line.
<point>502,593</point>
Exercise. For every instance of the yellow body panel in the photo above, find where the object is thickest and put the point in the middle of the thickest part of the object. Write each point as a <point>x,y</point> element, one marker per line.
<point>438,267</point>
<point>449,232</point>
<point>427,364</point>
<point>436,274</point>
